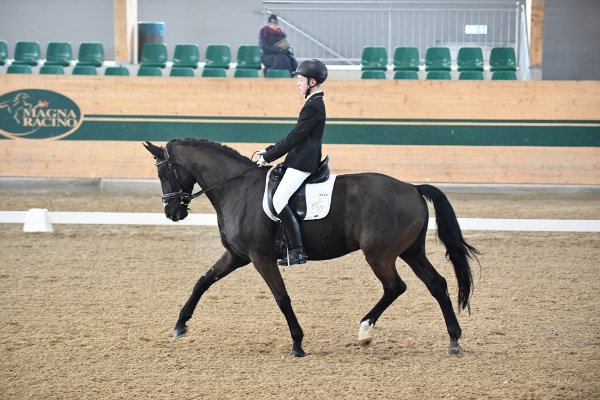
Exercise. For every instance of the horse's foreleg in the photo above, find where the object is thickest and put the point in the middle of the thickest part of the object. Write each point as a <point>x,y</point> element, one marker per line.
<point>226,264</point>
<point>418,262</point>
<point>270,272</point>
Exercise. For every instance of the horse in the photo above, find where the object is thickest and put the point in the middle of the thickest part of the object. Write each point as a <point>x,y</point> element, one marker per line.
<point>382,216</point>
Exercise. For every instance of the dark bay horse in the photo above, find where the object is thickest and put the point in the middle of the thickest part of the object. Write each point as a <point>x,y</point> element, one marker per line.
<point>380,215</point>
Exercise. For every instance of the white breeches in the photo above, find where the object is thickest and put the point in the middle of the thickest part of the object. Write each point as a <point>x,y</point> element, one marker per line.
<point>291,181</point>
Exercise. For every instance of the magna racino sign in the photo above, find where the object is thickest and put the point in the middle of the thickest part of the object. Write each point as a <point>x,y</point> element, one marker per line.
<point>38,114</point>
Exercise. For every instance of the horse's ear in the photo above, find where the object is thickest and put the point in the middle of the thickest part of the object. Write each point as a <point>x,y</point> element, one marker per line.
<point>156,151</point>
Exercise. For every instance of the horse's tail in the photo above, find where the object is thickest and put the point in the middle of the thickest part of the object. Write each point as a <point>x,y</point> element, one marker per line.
<point>458,251</point>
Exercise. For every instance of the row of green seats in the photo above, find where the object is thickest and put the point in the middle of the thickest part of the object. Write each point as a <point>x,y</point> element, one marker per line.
<point>212,72</point>
<point>438,59</point>
<point>188,56</point>
<point>441,75</point>
<point>153,55</point>
<point>52,69</point>
<point>248,73</point>
<point>146,71</point>
<point>57,53</point>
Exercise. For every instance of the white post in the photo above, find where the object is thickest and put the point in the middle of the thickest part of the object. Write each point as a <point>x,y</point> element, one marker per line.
<point>36,220</point>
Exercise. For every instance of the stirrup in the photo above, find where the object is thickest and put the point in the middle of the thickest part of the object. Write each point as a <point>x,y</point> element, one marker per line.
<point>292,258</point>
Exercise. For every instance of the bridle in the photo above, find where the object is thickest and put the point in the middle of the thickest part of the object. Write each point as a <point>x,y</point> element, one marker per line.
<point>184,198</point>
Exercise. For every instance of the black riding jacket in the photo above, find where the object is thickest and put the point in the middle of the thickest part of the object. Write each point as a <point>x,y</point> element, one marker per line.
<point>303,143</point>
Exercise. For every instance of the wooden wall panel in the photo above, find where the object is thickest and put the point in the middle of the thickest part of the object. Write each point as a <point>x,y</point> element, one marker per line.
<point>509,100</point>
<point>453,100</point>
<point>460,164</point>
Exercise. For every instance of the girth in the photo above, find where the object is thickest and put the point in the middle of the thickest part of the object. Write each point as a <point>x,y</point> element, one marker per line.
<point>298,199</point>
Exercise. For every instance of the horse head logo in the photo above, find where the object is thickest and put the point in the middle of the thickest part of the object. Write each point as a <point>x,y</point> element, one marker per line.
<point>16,106</point>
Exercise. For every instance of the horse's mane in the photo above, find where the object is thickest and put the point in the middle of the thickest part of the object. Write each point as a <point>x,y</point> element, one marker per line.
<point>218,147</point>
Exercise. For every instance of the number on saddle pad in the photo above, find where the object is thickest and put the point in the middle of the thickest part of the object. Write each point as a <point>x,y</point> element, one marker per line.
<point>311,200</point>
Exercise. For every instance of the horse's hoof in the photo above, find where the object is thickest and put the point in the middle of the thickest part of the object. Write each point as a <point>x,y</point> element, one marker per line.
<point>454,349</point>
<point>297,350</point>
<point>296,353</point>
<point>365,334</point>
<point>180,331</point>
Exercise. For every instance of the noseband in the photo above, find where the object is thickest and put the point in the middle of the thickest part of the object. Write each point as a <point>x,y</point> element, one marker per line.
<point>184,198</point>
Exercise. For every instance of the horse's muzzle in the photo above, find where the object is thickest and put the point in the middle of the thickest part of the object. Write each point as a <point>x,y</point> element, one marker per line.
<point>176,212</point>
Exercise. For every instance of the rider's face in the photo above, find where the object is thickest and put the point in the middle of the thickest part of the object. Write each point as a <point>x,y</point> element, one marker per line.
<point>302,84</point>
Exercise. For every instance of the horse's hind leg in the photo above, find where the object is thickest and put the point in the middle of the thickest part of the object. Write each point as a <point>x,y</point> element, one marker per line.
<point>417,260</point>
<point>393,286</point>
<point>226,264</point>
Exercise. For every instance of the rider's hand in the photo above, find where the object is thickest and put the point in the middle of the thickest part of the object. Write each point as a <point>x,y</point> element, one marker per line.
<point>261,152</point>
<point>261,161</point>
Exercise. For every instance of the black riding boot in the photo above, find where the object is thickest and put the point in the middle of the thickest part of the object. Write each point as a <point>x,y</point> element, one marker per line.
<point>291,226</point>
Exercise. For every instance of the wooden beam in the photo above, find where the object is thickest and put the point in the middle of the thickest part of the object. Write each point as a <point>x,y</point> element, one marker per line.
<point>537,33</point>
<point>125,24</point>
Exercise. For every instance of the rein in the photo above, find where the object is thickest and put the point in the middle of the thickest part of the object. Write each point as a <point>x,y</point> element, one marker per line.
<point>184,197</point>
<point>203,191</point>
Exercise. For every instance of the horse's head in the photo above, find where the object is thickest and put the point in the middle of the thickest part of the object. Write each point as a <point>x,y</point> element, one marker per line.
<point>176,183</point>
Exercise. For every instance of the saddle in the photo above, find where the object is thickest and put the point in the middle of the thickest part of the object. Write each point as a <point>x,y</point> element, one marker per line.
<point>298,200</point>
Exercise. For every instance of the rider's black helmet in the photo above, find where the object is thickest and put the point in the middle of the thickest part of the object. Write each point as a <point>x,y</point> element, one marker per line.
<point>312,69</point>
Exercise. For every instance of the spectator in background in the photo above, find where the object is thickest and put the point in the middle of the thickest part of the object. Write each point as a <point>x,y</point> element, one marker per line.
<point>275,49</point>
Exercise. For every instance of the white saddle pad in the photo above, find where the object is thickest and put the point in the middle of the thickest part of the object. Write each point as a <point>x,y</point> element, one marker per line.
<point>318,198</point>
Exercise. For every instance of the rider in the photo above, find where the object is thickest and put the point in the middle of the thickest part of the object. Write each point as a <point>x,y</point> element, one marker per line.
<point>303,148</point>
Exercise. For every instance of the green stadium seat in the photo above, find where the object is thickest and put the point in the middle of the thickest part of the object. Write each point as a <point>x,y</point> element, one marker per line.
<point>503,59</point>
<point>217,56</point>
<point>154,55</point>
<point>374,59</point>
<point>470,76</point>
<point>90,53</point>
<point>469,59</point>
<point>504,76</point>
<point>439,75</point>
<point>3,52</point>
<point>248,57</point>
<point>116,71</point>
<point>437,59</point>
<point>181,71</point>
<point>27,53</point>
<point>372,75</point>
<point>406,75</point>
<point>214,73</point>
<point>52,70</point>
<point>406,59</point>
<point>278,73</point>
<point>245,73</point>
<point>84,70</point>
<point>59,53</point>
<point>186,56</point>
<point>18,69</point>
<point>149,71</point>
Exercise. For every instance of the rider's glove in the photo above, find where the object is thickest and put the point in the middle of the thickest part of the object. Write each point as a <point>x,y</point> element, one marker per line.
<point>261,161</point>
<point>261,152</point>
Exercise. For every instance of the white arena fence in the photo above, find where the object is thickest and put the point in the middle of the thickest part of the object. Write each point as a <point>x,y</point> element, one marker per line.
<point>41,220</point>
